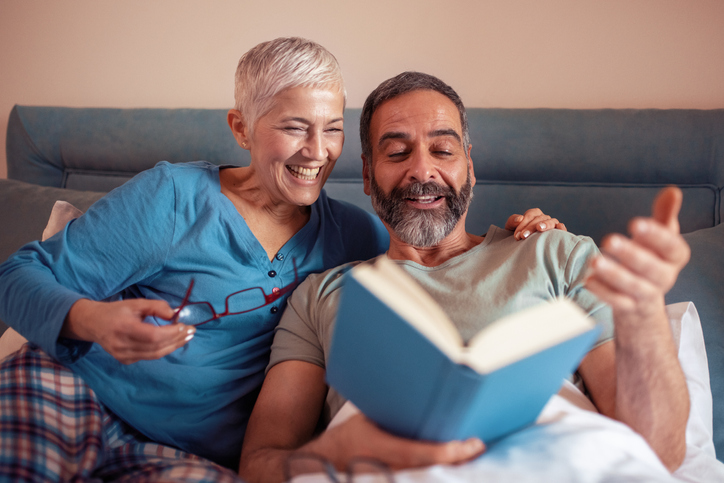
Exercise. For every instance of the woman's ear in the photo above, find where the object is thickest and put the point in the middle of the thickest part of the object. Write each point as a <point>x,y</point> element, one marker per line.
<point>238,127</point>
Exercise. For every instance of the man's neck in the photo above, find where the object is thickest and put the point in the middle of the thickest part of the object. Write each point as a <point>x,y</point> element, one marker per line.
<point>456,243</point>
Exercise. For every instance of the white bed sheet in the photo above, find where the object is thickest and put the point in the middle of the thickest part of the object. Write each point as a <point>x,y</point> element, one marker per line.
<point>570,443</point>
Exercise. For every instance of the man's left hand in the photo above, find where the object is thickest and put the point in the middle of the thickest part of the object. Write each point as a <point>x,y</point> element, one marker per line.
<point>635,273</point>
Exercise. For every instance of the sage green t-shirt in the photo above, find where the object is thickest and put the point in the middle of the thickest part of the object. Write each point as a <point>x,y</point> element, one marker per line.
<point>495,278</point>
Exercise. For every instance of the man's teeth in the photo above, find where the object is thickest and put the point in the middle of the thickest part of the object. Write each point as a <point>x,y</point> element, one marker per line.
<point>425,199</point>
<point>304,173</point>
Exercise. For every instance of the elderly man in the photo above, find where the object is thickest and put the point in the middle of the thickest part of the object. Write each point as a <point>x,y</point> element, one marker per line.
<point>419,173</point>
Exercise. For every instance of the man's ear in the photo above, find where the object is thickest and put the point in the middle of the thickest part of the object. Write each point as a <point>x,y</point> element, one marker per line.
<point>238,127</point>
<point>471,166</point>
<point>366,174</point>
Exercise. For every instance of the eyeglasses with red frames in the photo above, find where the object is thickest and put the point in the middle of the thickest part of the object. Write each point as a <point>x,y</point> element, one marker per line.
<point>237,303</point>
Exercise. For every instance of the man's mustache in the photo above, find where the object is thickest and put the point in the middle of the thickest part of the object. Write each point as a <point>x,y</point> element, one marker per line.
<point>417,189</point>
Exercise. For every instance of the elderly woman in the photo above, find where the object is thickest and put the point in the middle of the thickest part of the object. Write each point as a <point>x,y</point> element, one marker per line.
<point>113,383</point>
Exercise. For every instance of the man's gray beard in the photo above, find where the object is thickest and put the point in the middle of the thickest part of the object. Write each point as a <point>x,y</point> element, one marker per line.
<point>421,228</point>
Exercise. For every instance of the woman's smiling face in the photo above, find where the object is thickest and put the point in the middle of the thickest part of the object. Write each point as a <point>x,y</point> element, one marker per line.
<point>296,144</point>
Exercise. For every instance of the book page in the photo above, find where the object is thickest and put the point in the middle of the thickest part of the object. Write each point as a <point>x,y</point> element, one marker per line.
<point>525,333</point>
<point>409,300</point>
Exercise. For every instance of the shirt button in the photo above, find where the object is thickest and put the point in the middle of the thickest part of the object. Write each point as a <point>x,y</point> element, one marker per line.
<point>274,310</point>
<point>272,273</point>
<point>279,257</point>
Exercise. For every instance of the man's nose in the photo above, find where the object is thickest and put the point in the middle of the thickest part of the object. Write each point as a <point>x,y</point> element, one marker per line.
<point>315,147</point>
<point>422,167</point>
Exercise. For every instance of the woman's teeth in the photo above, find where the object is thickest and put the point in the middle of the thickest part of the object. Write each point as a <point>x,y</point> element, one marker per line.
<point>304,173</point>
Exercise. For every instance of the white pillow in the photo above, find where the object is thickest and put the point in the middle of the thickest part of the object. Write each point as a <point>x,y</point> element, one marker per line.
<point>60,215</point>
<point>686,328</point>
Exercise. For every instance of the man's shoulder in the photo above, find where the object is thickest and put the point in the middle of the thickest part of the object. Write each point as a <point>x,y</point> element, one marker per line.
<point>548,238</point>
<point>322,285</point>
<point>555,246</point>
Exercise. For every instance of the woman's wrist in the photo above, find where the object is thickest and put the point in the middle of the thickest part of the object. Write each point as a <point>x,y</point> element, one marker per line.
<point>73,326</point>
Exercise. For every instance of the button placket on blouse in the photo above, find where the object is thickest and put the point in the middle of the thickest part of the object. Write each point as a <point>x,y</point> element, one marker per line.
<point>272,273</point>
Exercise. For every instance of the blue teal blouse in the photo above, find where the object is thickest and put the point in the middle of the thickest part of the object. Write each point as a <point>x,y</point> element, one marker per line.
<point>148,239</point>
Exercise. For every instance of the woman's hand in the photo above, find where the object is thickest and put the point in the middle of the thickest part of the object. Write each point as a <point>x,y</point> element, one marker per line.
<point>533,220</point>
<point>119,328</point>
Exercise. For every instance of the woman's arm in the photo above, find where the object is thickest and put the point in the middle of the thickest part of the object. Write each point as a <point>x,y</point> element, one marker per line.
<point>122,239</point>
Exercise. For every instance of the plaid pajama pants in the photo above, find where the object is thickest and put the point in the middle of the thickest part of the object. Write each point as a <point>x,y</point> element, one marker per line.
<point>54,428</point>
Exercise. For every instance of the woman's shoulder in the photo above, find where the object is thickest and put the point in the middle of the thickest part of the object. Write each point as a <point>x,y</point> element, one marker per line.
<point>343,213</point>
<point>189,171</point>
<point>362,232</point>
<point>164,172</point>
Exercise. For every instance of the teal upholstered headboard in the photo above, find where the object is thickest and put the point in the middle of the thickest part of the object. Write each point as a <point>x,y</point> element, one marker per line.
<point>593,169</point>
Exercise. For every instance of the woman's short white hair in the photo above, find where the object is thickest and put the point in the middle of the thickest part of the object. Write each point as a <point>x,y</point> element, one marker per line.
<point>279,64</point>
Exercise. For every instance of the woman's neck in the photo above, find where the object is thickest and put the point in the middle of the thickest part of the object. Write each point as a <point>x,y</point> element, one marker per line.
<point>273,223</point>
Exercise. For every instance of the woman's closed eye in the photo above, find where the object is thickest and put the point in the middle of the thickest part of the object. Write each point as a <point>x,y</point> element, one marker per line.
<point>294,129</point>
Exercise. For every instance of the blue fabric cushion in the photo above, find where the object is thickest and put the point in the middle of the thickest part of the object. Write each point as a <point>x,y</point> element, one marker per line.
<point>702,282</point>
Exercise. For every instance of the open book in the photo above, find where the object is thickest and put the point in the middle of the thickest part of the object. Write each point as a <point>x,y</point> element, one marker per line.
<point>400,360</point>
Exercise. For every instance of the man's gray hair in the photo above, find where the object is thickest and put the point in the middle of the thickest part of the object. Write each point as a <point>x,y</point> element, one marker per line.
<point>402,84</point>
<point>279,64</point>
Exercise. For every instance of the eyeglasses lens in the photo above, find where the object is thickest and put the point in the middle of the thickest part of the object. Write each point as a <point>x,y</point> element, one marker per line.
<point>368,471</point>
<point>301,469</point>
<point>246,300</point>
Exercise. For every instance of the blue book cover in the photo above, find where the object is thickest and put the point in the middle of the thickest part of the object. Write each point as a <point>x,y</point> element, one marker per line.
<point>398,358</point>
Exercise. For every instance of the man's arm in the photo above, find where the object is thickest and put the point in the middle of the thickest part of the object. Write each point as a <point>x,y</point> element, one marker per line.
<point>286,414</point>
<point>637,378</point>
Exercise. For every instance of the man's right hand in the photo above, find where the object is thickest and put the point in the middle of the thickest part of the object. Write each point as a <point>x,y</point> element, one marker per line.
<point>119,328</point>
<point>358,436</point>
<point>285,417</point>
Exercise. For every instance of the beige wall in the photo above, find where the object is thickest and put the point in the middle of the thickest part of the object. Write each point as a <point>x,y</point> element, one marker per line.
<point>496,53</point>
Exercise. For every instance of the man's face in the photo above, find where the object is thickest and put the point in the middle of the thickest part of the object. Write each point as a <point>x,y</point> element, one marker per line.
<point>420,178</point>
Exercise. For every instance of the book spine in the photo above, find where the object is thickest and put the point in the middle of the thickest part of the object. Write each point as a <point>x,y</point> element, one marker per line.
<point>446,412</point>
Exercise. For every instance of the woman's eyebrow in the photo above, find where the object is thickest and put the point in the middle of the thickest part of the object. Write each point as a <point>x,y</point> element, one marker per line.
<point>307,121</point>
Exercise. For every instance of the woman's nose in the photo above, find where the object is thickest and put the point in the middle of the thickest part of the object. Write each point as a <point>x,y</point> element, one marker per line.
<point>315,147</point>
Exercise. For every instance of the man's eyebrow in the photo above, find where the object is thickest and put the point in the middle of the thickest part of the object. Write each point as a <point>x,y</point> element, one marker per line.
<point>432,134</point>
<point>392,135</point>
<point>445,132</point>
